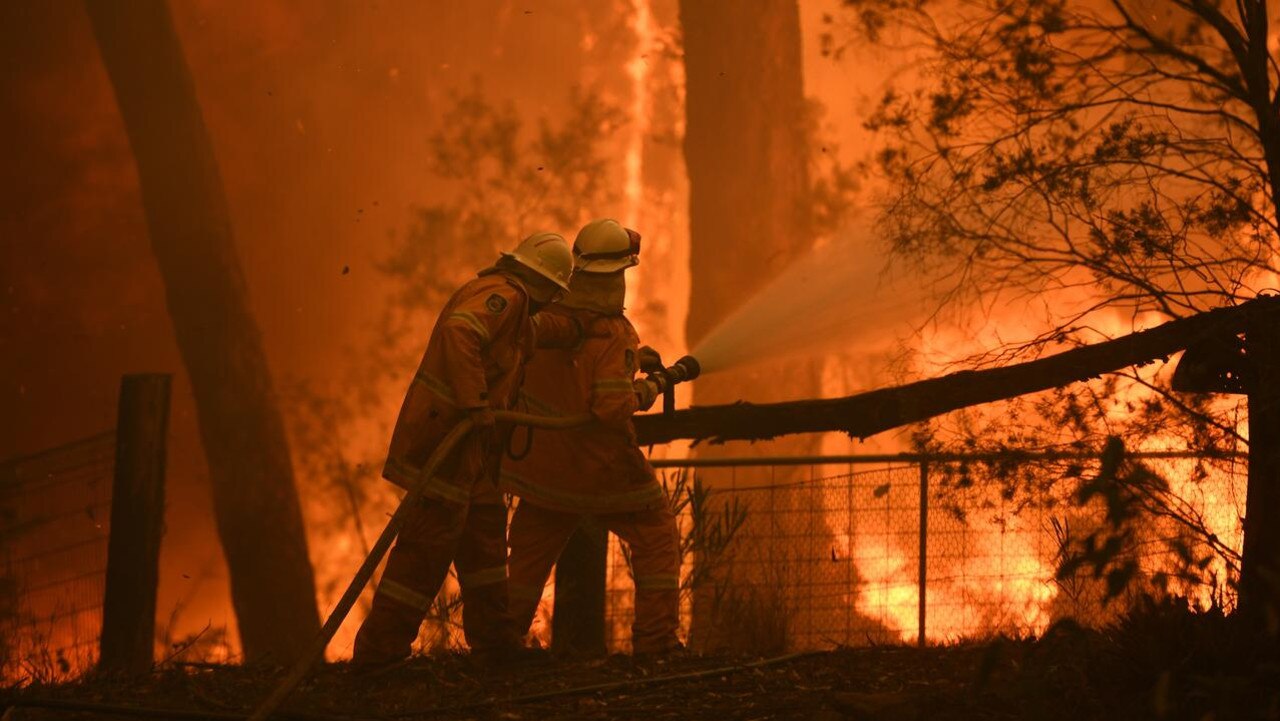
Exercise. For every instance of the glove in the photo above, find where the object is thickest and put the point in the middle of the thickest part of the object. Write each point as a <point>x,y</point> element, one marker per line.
<point>650,360</point>
<point>646,393</point>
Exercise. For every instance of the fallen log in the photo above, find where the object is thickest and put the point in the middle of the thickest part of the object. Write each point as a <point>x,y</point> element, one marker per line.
<point>867,414</point>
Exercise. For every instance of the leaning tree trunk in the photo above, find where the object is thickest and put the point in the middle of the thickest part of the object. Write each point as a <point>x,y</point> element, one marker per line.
<point>866,414</point>
<point>258,515</point>
<point>747,158</point>
<point>872,412</point>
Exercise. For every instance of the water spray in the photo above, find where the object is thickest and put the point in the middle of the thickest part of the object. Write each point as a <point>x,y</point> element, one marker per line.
<point>838,297</point>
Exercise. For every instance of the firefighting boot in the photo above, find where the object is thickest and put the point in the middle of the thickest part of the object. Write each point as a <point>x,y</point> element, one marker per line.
<point>655,561</point>
<point>482,573</point>
<point>416,568</point>
<point>387,634</point>
<point>670,655</point>
<point>657,619</point>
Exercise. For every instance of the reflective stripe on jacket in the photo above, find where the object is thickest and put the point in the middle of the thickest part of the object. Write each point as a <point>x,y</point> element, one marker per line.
<point>475,358</point>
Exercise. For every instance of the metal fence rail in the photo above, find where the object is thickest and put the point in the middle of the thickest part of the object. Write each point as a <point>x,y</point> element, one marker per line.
<point>913,548</point>
<point>55,509</point>
<point>834,550</point>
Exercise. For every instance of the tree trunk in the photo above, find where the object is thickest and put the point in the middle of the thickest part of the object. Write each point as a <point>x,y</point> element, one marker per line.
<point>867,414</point>
<point>258,516</point>
<point>1260,561</point>
<point>746,153</point>
<point>747,158</point>
<point>577,620</point>
<point>127,642</point>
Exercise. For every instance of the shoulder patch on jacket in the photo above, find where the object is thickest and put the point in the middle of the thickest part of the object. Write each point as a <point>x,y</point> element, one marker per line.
<point>495,303</point>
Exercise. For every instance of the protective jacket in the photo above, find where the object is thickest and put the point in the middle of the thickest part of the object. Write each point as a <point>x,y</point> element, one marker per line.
<point>475,358</point>
<point>597,468</point>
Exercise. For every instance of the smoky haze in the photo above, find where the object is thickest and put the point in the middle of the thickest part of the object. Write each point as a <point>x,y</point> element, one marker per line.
<point>320,116</point>
<point>840,297</point>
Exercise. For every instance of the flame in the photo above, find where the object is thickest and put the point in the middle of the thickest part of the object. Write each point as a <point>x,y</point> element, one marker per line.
<point>638,69</point>
<point>653,196</point>
<point>973,595</point>
<point>959,592</point>
<point>1015,588</point>
<point>890,594</point>
<point>638,127</point>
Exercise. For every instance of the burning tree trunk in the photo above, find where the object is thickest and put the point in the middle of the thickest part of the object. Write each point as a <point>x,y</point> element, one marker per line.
<point>259,519</point>
<point>747,158</point>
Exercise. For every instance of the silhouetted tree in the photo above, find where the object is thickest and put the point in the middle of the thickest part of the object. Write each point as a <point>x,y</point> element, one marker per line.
<point>256,504</point>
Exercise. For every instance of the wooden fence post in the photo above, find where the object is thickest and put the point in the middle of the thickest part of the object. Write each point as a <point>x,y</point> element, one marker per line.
<point>577,623</point>
<point>137,518</point>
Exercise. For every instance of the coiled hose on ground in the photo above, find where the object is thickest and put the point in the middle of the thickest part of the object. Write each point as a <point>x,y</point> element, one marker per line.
<point>315,652</point>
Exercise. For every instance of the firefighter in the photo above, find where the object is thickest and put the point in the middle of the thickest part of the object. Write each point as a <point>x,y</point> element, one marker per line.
<point>599,469</point>
<point>472,366</point>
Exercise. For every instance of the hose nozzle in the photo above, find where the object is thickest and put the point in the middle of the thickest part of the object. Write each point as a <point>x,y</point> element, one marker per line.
<point>683,370</point>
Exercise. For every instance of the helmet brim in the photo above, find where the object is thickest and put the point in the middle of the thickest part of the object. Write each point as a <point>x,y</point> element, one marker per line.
<point>605,265</point>
<point>545,274</point>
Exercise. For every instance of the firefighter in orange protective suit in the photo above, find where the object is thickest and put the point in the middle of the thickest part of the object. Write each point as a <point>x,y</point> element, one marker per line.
<point>597,470</point>
<point>473,366</point>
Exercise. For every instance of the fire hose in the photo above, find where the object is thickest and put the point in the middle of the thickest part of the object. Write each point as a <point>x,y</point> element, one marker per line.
<point>664,381</point>
<point>380,547</point>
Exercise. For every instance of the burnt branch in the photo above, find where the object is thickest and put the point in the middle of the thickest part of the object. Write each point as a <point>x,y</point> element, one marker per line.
<point>867,414</point>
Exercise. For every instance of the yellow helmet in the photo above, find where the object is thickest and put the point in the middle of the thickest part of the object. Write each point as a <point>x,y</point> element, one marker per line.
<point>546,254</point>
<point>604,246</point>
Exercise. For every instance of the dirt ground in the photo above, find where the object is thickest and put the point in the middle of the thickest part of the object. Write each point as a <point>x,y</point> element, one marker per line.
<point>1067,675</point>
<point>888,683</point>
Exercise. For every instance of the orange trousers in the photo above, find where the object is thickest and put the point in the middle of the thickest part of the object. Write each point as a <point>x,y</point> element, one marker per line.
<point>538,535</point>
<point>471,537</point>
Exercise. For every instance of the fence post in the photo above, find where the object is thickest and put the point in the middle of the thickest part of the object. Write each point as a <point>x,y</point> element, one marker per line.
<point>137,517</point>
<point>922,578</point>
<point>577,620</point>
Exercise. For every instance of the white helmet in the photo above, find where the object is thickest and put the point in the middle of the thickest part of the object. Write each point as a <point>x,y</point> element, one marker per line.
<point>604,246</point>
<point>546,254</point>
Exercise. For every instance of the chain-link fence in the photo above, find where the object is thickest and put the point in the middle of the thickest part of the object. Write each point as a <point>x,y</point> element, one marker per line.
<point>831,550</point>
<point>827,550</point>
<point>55,509</point>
